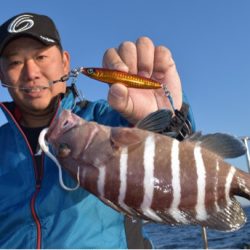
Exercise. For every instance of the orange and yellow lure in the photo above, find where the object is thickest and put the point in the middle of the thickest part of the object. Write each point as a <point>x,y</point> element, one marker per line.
<point>114,76</point>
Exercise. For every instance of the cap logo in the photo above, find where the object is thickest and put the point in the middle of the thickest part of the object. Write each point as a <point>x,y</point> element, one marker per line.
<point>48,39</point>
<point>21,24</point>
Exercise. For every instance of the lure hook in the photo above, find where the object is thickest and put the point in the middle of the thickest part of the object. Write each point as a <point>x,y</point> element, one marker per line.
<point>168,95</point>
<point>45,148</point>
<point>74,74</point>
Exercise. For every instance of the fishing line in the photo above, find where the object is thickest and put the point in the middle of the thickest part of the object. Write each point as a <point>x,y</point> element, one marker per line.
<point>72,74</point>
<point>115,76</point>
<point>39,87</point>
<point>45,148</point>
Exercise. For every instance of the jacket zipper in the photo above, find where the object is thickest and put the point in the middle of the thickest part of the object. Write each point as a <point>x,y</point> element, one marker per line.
<point>38,178</point>
<point>35,217</point>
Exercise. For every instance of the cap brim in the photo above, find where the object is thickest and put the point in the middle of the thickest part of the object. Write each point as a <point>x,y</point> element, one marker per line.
<point>45,41</point>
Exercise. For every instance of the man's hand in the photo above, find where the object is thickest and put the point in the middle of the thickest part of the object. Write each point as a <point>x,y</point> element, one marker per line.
<point>145,59</point>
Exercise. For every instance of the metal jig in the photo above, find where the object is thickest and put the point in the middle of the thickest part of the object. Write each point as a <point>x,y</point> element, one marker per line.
<point>75,72</point>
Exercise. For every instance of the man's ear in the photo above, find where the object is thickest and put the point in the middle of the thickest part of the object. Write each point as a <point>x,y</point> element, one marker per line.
<point>66,62</point>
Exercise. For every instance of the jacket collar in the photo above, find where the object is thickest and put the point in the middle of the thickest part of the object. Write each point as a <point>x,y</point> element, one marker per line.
<point>67,101</point>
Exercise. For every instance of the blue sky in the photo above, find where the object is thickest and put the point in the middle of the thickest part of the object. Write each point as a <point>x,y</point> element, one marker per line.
<point>209,40</point>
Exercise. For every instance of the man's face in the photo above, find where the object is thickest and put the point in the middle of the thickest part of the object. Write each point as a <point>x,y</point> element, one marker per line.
<point>27,63</point>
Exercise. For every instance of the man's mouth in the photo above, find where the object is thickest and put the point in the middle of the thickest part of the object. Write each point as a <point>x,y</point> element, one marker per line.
<point>37,89</point>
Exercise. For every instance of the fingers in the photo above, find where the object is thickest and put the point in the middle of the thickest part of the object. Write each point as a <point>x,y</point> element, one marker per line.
<point>145,56</point>
<point>165,72</point>
<point>119,99</point>
<point>135,58</point>
<point>112,60</point>
<point>141,57</point>
<point>117,96</point>
<point>128,54</point>
<point>162,62</point>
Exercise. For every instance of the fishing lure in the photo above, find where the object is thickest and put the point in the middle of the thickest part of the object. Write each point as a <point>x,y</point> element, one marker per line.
<point>129,80</point>
<point>114,76</point>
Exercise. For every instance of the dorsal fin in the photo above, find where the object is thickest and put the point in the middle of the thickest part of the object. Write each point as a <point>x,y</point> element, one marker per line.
<point>224,145</point>
<point>156,121</point>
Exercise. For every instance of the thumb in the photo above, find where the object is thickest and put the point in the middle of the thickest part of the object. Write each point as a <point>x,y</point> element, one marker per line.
<point>118,98</point>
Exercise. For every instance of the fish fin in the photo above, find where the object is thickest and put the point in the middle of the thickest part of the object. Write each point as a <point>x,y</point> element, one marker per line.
<point>194,137</point>
<point>126,210</point>
<point>112,205</point>
<point>224,145</point>
<point>243,181</point>
<point>228,219</point>
<point>157,121</point>
<point>121,137</point>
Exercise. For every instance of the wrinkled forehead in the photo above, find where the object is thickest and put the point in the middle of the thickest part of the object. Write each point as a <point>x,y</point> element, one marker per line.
<point>17,45</point>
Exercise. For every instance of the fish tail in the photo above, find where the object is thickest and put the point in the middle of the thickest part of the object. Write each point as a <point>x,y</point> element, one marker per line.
<point>229,215</point>
<point>232,215</point>
<point>243,183</point>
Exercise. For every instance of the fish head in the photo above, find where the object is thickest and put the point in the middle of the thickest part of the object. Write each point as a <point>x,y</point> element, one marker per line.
<point>70,135</point>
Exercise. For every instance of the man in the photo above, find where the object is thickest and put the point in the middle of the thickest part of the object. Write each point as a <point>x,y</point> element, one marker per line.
<point>34,210</point>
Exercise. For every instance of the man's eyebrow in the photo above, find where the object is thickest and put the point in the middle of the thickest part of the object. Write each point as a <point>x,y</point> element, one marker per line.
<point>15,53</point>
<point>8,55</point>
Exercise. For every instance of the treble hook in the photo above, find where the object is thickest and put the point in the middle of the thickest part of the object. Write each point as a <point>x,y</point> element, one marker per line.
<point>44,146</point>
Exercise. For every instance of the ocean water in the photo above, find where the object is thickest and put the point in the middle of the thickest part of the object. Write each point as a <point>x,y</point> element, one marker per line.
<point>164,236</point>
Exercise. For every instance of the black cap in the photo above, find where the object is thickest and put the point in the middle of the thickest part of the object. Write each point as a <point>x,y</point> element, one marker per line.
<point>29,24</point>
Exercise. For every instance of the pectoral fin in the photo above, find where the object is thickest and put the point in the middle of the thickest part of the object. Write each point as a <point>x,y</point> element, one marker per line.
<point>157,121</point>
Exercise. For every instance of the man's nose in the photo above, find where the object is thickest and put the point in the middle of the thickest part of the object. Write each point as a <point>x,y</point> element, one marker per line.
<point>31,70</point>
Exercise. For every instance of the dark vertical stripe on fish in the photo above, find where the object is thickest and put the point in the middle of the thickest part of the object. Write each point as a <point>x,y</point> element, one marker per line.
<point>163,190</point>
<point>189,190</point>
<point>89,178</point>
<point>135,177</point>
<point>212,166</point>
<point>112,182</point>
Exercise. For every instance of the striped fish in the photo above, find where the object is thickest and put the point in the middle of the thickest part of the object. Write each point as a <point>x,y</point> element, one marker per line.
<point>152,176</point>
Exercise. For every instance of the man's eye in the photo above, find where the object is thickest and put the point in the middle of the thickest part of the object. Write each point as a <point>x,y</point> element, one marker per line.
<point>40,57</point>
<point>14,63</point>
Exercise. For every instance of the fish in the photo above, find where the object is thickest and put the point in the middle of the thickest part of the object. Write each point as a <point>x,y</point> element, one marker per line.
<point>151,176</point>
<point>114,76</point>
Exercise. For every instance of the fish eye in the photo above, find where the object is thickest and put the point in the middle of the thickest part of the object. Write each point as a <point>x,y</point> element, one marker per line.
<point>63,150</point>
<point>90,71</point>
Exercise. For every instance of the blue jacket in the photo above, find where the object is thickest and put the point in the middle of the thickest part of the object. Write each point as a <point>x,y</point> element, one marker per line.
<point>35,212</point>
